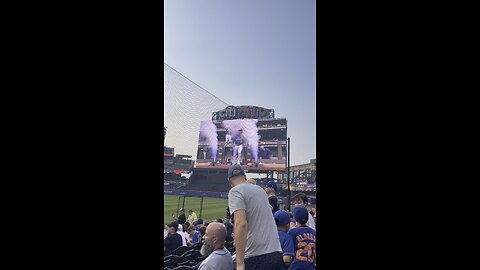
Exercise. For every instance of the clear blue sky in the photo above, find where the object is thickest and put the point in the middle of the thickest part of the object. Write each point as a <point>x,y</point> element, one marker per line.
<point>251,52</point>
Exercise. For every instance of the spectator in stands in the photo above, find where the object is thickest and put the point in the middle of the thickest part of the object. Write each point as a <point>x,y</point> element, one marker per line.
<point>173,240</point>
<point>264,153</point>
<point>165,231</point>
<point>227,222</point>
<point>229,227</point>
<point>301,199</point>
<point>185,229</point>
<point>182,218</point>
<point>229,215</point>
<point>214,246</point>
<point>201,226</point>
<point>304,241</point>
<point>282,218</point>
<point>257,245</point>
<point>196,225</point>
<point>270,189</point>
<point>183,234</point>
<point>192,217</point>
<point>195,235</point>
<point>229,162</point>
<point>227,219</point>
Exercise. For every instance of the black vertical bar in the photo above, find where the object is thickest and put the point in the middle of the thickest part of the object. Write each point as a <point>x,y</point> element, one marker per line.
<point>201,207</point>
<point>183,205</point>
<point>178,206</point>
<point>288,173</point>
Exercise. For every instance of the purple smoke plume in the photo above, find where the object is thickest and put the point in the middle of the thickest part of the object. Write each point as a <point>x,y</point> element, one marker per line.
<point>250,132</point>
<point>208,130</point>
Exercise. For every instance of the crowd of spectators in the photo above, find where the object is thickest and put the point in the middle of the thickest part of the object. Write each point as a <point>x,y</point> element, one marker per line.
<point>263,236</point>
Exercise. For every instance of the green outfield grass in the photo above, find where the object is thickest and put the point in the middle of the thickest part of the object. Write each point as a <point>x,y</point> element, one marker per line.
<point>213,208</point>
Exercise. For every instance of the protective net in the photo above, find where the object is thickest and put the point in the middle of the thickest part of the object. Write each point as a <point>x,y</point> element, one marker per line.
<point>185,105</point>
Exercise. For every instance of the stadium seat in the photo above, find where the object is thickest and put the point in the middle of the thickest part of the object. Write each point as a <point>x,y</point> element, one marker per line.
<point>171,257</point>
<point>168,263</point>
<point>197,246</point>
<point>180,250</point>
<point>187,263</point>
<point>190,265</point>
<point>183,267</point>
<point>191,255</point>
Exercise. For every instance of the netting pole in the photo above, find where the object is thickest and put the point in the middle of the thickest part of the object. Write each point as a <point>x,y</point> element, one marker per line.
<point>178,206</point>
<point>201,207</point>
<point>183,204</point>
<point>288,176</point>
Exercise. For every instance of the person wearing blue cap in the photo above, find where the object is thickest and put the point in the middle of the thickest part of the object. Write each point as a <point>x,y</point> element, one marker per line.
<point>282,218</point>
<point>301,199</point>
<point>257,245</point>
<point>270,189</point>
<point>304,241</point>
<point>201,226</point>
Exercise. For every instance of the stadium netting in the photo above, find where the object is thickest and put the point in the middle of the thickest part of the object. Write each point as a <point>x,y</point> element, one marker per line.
<point>186,104</point>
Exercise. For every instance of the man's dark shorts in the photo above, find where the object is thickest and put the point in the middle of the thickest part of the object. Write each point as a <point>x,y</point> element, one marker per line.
<point>270,261</point>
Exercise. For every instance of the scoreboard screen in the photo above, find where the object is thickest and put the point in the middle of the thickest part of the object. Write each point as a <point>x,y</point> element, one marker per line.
<point>256,144</point>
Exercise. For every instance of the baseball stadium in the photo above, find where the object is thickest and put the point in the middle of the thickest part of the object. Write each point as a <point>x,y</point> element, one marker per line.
<point>223,165</point>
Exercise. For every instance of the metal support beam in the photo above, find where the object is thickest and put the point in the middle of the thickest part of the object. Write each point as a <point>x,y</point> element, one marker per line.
<point>288,174</point>
<point>201,207</point>
<point>178,206</point>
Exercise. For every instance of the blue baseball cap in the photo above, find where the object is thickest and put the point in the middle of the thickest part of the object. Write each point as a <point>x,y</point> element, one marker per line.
<point>235,170</point>
<point>300,214</point>
<point>272,185</point>
<point>281,217</point>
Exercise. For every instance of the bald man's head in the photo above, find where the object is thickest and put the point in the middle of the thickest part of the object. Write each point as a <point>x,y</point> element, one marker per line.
<point>217,230</point>
<point>215,235</point>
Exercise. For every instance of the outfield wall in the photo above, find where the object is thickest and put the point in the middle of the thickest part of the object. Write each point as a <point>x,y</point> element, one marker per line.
<point>222,195</point>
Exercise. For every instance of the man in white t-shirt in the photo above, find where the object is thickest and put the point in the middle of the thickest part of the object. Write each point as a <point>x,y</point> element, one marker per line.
<point>183,234</point>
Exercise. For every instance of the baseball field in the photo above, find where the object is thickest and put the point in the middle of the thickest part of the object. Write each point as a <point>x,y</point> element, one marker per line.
<point>213,208</point>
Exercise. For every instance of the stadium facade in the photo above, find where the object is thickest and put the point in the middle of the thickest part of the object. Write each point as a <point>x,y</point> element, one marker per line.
<point>175,166</point>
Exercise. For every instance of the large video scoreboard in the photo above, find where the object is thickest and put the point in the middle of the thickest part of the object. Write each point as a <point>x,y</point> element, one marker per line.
<point>258,144</point>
